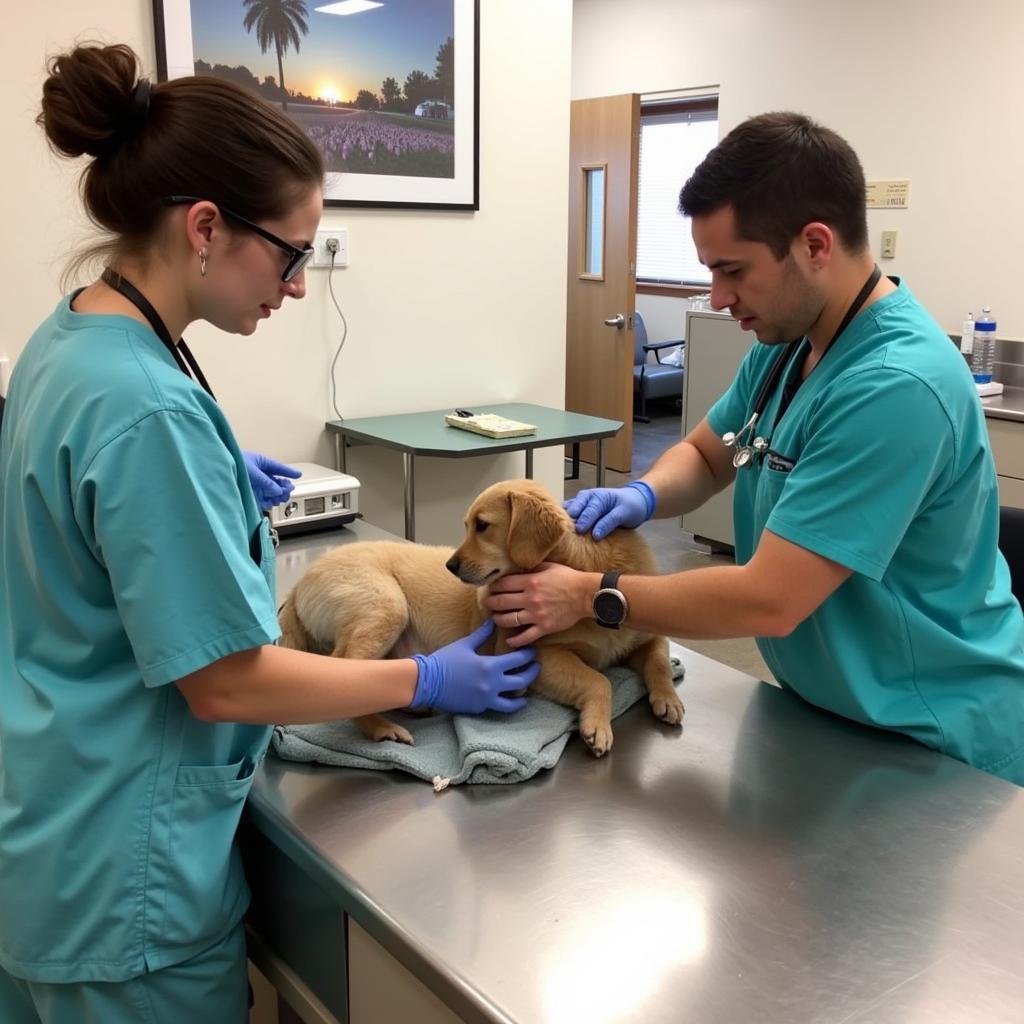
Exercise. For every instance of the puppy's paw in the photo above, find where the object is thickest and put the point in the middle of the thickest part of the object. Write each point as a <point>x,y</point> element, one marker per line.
<point>668,707</point>
<point>597,736</point>
<point>395,733</point>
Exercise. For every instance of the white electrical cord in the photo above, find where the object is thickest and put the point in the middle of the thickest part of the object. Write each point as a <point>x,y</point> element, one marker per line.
<point>341,344</point>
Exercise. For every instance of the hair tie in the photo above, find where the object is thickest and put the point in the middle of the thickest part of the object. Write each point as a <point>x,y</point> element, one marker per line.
<point>135,116</point>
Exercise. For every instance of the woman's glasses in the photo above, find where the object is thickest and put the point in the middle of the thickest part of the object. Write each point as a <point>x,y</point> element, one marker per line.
<point>298,258</point>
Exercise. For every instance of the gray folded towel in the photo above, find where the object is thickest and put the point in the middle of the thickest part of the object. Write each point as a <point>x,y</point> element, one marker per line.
<point>491,748</point>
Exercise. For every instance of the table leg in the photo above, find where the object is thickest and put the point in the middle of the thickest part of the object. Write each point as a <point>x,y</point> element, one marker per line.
<point>575,461</point>
<point>340,454</point>
<point>528,452</point>
<point>600,462</point>
<point>409,469</point>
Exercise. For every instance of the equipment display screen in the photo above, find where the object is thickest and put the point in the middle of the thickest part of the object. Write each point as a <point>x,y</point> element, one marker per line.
<point>314,506</point>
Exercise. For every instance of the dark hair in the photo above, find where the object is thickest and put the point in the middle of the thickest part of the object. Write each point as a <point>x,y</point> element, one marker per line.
<point>198,136</point>
<point>779,172</point>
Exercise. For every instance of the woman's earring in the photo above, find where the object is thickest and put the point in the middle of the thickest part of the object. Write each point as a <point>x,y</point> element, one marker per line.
<point>202,262</point>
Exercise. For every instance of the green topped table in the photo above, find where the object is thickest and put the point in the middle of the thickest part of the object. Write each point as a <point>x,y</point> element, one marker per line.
<point>426,433</point>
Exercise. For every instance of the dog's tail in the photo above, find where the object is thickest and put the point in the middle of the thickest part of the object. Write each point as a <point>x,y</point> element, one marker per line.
<point>293,632</point>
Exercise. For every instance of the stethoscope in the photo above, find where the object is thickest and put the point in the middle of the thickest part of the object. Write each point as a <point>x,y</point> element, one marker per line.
<point>746,440</point>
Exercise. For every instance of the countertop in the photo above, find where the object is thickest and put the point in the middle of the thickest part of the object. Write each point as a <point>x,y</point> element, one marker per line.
<point>1007,406</point>
<point>770,863</point>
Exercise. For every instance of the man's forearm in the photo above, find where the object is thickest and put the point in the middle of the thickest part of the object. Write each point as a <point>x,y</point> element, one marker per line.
<point>717,603</point>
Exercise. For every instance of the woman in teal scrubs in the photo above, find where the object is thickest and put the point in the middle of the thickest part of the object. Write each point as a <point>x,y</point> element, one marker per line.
<point>138,671</point>
<point>866,523</point>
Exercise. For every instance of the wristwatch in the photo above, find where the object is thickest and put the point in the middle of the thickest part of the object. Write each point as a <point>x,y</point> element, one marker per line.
<point>610,605</point>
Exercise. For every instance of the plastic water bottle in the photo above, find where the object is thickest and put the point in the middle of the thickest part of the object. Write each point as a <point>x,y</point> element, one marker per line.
<point>984,355</point>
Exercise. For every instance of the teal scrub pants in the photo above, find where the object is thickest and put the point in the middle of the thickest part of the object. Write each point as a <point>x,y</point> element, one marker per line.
<point>211,988</point>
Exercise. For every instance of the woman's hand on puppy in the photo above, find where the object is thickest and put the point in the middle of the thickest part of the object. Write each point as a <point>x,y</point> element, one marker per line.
<point>549,599</point>
<point>459,680</point>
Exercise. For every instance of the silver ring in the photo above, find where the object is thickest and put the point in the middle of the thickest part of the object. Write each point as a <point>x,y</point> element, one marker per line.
<point>518,623</point>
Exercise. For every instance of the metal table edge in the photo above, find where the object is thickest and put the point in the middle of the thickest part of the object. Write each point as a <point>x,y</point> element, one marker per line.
<point>499,445</point>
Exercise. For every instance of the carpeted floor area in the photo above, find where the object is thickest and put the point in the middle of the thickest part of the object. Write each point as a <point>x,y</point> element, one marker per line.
<point>675,549</point>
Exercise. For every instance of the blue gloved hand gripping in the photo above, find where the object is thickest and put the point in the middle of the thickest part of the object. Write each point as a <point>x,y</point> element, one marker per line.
<point>459,680</point>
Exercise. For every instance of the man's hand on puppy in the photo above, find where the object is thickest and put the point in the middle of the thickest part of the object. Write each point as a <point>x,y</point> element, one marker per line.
<point>549,599</point>
<point>459,680</point>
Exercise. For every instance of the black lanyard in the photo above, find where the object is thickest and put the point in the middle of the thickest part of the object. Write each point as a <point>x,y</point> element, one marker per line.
<point>795,377</point>
<point>188,364</point>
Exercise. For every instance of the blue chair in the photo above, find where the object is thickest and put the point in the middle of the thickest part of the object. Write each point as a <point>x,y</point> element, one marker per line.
<point>653,380</point>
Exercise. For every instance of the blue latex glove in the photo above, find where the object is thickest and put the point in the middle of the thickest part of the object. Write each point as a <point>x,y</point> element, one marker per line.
<point>459,680</point>
<point>270,479</point>
<point>607,508</point>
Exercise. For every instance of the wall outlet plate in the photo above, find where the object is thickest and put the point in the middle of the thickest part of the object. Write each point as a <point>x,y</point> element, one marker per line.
<point>322,255</point>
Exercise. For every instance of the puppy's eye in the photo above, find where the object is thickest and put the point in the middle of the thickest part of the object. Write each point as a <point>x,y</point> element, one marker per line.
<point>480,525</point>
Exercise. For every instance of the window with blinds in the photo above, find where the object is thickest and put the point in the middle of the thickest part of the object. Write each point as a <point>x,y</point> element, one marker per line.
<point>674,138</point>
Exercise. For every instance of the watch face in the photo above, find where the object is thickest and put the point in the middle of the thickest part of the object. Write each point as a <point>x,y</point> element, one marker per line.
<point>609,606</point>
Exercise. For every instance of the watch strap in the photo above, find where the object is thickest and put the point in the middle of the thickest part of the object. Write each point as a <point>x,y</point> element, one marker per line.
<point>610,580</point>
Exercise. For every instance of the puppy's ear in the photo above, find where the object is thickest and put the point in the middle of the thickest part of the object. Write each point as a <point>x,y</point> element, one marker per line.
<point>535,526</point>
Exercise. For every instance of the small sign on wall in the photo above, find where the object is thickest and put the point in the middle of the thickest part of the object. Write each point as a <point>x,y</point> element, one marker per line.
<point>893,194</point>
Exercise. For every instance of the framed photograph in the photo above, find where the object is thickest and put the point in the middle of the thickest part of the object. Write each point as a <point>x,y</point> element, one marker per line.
<point>387,89</point>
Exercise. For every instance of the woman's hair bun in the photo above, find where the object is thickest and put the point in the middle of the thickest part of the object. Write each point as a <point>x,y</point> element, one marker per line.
<point>86,98</point>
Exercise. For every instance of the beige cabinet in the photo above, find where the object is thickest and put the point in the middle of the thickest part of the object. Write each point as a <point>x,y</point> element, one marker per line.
<point>715,347</point>
<point>1007,437</point>
<point>382,991</point>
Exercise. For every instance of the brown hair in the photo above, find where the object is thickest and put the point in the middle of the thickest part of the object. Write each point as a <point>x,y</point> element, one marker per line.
<point>780,172</point>
<point>198,136</point>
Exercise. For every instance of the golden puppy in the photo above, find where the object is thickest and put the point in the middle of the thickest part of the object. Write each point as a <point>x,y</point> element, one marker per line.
<point>381,599</point>
<point>516,525</point>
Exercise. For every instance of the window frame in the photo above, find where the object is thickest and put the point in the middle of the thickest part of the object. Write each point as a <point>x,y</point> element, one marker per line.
<point>698,104</point>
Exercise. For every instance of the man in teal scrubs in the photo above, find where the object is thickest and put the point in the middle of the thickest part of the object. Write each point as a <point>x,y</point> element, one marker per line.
<point>866,522</point>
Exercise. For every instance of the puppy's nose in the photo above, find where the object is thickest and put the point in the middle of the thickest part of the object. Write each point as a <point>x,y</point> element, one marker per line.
<point>453,565</point>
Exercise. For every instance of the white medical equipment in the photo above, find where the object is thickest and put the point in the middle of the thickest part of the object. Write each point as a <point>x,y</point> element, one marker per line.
<point>322,498</point>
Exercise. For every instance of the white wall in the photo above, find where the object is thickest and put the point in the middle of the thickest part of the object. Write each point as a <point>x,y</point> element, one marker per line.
<point>923,89</point>
<point>444,308</point>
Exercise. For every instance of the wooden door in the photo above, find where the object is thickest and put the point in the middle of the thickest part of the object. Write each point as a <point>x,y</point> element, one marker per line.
<point>603,156</point>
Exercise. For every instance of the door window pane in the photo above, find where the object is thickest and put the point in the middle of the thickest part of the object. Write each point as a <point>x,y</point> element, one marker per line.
<point>593,252</point>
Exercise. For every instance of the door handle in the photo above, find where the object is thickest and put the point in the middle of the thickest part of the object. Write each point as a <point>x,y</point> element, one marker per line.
<point>618,321</point>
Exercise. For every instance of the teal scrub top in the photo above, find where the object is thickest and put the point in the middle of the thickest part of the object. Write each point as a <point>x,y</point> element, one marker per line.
<point>132,553</point>
<point>882,463</point>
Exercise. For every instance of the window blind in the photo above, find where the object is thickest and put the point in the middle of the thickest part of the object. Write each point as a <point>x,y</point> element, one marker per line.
<point>671,146</point>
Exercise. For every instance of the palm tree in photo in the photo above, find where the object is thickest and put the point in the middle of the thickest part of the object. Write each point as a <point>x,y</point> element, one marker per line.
<point>277,23</point>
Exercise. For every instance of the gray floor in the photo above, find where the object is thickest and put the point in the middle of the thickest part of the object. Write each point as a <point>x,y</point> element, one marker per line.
<point>675,549</point>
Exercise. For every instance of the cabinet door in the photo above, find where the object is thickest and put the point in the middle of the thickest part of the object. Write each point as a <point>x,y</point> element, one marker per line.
<point>1011,491</point>
<point>382,991</point>
<point>1007,439</point>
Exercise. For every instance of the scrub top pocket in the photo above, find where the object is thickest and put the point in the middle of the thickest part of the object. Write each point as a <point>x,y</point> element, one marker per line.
<point>770,483</point>
<point>205,889</point>
<point>261,548</point>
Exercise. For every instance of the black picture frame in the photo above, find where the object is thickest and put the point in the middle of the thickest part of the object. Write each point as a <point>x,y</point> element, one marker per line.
<point>348,187</point>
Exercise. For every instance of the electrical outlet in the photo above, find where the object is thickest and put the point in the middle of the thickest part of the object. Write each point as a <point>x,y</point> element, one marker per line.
<point>888,245</point>
<point>321,251</point>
